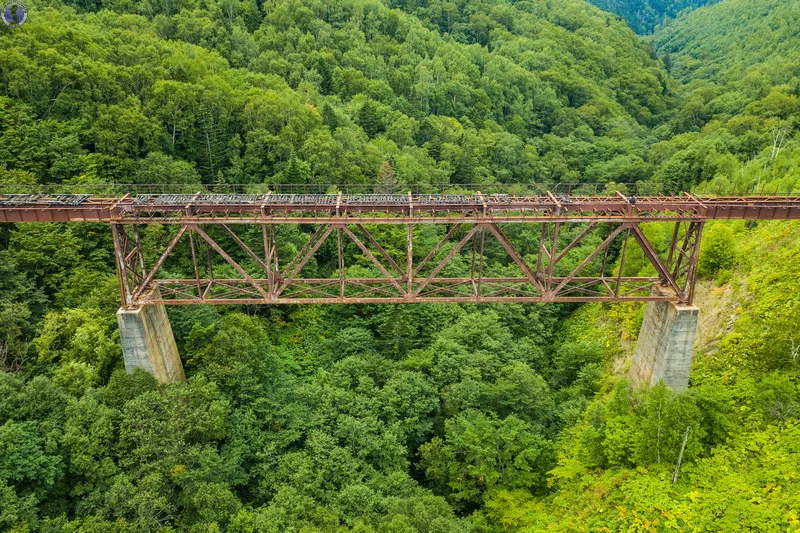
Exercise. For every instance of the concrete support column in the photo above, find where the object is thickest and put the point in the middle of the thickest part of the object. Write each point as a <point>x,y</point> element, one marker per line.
<point>665,346</point>
<point>148,342</point>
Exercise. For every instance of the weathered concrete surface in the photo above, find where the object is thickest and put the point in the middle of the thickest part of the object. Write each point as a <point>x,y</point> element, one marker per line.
<point>666,345</point>
<point>148,342</point>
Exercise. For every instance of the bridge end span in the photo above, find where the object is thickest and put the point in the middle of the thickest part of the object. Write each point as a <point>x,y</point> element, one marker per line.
<point>666,344</point>
<point>148,342</point>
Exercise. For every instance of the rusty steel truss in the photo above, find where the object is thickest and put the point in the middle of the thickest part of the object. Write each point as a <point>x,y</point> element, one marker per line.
<point>335,248</point>
<point>226,269</point>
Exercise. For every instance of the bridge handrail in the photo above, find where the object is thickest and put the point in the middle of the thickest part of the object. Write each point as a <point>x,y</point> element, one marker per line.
<point>514,189</point>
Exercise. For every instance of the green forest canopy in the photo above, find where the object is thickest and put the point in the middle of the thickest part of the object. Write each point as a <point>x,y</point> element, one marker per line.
<point>644,16</point>
<point>430,418</point>
<point>326,93</point>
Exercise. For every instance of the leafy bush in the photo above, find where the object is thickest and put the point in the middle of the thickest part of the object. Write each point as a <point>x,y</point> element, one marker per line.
<point>717,250</point>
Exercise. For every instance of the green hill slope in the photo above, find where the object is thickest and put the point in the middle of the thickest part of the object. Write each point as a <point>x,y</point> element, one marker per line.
<point>644,15</point>
<point>722,42</point>
<point>323,92</point>
<point>737,126</point>
<point>745,382</point>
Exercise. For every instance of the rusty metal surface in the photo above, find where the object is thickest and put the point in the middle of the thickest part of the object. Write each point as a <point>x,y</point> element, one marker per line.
<point>225,264</point>
<point>213,256</point>
<point>386,209</point>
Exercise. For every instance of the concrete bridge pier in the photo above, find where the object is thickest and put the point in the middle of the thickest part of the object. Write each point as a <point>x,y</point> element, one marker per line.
<point>665,346</point>
<point>148,342</point>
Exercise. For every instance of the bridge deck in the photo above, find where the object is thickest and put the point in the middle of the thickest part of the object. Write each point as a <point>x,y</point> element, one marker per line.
<point>545,265</point>
<point>386,208</point>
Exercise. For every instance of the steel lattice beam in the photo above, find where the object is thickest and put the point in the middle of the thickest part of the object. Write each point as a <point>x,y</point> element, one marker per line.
<point>237,256</point>
<point>577,271</point>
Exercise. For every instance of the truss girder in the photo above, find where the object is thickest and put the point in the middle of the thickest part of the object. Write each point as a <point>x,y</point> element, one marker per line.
<point>358,263</point>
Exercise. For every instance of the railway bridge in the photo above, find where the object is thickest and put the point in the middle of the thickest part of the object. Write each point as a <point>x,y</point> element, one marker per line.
<point>241,249</point>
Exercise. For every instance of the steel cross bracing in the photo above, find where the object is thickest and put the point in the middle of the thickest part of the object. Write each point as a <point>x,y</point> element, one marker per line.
<point>222,264</point>
<point>291,249</point>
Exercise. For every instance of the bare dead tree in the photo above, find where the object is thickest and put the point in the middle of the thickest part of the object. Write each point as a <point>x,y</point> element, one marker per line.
<point>680,455</point>
<point>11,360</point>
<point>778,138</point>
<point>794,350</point>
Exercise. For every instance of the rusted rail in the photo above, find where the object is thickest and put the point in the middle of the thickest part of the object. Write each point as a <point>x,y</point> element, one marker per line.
<point>386,209</point>
<point>228,248</point>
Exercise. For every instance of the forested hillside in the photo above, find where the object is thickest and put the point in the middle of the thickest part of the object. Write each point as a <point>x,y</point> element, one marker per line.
<point>737,123</point>
<point>725,41</point>
<point>325,93</point>
<point>644,15</point>
<point>426,418</point>
<point>615,466</point>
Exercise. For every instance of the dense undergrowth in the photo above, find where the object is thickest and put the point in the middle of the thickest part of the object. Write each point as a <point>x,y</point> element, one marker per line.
<point>430,418</point>
<point>615,466</point>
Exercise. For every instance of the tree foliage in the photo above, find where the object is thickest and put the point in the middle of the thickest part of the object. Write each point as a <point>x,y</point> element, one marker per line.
<point>429,418</point>
<point>644,16</point>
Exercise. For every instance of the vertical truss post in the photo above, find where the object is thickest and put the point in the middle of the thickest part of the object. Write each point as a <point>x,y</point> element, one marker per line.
<point>542,251</point>
<point>210,270</point>
<point>410,261</point>
<point>480,262</point>
<point>683,253</point>
<point>622,262</point>
<point>603,269</point>
<point>122,272</point>
<point>472,266</point>
<point>196,266</point>
<point>268,259</point>
<point>341,260</point>
<point>691,275</point>
<point>140,253</point>
<point>276,267</point>
<point>552,264</point>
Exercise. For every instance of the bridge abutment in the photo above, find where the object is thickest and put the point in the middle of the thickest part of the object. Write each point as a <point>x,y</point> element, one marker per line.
<point>148,342</point>
<point>665,346</point>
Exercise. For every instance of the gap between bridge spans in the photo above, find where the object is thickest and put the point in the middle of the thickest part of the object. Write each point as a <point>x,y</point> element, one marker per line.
<point>270,269</point>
